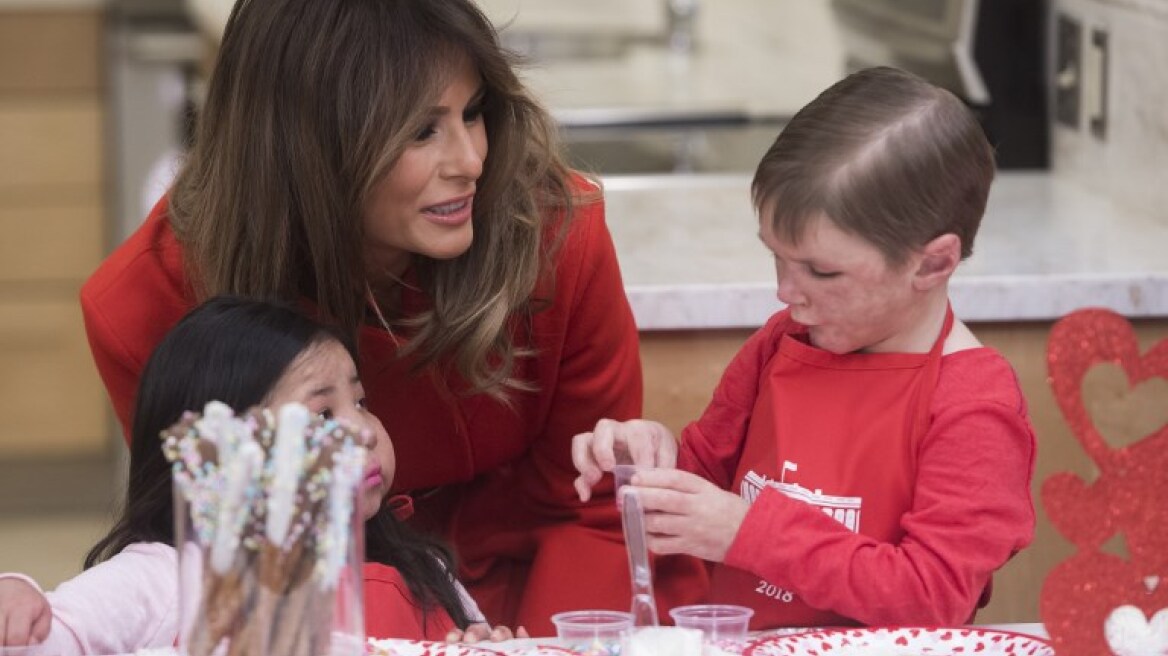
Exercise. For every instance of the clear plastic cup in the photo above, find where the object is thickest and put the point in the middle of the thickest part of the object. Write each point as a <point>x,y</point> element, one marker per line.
<point>718,622</point>
<point>592,632</point>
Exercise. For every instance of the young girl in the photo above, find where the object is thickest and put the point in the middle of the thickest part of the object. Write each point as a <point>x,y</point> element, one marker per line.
<point>243,353</point>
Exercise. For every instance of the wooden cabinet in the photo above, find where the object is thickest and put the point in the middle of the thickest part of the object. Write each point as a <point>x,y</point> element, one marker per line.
<point>50,51</point>
<point>682,368</point>
<point>53,220</point>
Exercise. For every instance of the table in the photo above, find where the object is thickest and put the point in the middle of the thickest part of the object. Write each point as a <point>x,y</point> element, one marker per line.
<point>520,646</point>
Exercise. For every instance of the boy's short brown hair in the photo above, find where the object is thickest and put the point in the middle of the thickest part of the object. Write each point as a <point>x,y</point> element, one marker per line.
<point>886,156</point>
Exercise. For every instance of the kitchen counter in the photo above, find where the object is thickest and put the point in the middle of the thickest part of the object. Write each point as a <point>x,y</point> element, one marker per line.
<point>759,59</point>
<point>691,257</point>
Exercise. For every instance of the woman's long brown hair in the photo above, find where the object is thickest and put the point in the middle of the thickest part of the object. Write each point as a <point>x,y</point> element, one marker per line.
<point>309,105</point>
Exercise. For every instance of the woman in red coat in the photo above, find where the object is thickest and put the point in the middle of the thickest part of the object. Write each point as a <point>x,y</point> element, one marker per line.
<point>341,161</point>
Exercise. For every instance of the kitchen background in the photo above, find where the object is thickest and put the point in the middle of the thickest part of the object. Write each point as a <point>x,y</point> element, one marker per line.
<point>672,102</point>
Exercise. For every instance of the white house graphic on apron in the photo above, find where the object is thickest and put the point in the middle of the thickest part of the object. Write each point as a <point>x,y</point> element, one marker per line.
<point>845,510</point>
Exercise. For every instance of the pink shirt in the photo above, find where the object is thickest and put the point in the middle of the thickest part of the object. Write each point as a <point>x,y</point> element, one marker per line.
<point>123,604</point>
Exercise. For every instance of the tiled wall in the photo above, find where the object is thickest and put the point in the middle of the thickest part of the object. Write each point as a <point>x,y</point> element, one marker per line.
<point>1130,161</point>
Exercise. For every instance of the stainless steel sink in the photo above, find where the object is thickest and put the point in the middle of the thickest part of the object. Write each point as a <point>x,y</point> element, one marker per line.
<point>658,132</point>
<point>669,147</point>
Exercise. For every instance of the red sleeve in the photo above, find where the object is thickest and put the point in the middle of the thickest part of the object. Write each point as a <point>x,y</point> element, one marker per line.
<point>712,445</point>
<point>599,369</point>
<point>136,295</point>
<point>972,510</point>
<point>119,370</point>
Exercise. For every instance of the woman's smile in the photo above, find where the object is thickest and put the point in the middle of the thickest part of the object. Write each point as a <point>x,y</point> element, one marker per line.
<point>451,213</point>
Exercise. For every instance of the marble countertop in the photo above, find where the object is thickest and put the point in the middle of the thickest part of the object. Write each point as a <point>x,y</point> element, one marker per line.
<point>691,258</point>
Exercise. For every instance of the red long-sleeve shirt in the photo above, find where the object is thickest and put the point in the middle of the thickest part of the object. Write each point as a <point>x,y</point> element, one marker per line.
<point>971,507</point>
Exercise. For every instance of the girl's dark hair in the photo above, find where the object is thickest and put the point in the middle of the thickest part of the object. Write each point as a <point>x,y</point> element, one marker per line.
<point>235,350</point>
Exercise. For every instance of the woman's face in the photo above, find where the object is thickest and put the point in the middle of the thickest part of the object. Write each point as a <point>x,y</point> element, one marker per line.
<point>324,378</point>
<point>424,204</point>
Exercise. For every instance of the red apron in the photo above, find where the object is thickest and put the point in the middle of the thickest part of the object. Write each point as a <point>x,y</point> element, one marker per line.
<point>839,432</point>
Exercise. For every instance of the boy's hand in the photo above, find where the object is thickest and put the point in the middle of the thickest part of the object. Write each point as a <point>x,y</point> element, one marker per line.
<point>641,442</point>
<point>685,513</point>
<point>482,631</point>
<point>25,614</point>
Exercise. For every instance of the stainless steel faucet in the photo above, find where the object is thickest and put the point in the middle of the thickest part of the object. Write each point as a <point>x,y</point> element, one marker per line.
<point>681,24</point>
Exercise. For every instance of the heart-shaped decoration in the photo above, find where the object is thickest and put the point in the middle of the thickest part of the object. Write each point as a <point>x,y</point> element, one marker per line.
<point>1086,338</point>
<point>1081,595</point>
<point>1123,411</point>
<point>1078,510</point>
<point>1129,633</point>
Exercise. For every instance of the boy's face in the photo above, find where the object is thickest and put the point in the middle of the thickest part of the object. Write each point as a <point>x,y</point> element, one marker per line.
<point>842,288</point>
<point>324,378</point>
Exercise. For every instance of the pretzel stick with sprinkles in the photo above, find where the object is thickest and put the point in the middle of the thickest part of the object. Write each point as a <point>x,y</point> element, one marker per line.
<point>298,459</point>
<point>311,605</point>
<point>308,601</point>
<point>287,458</point>
<point>221,489</point>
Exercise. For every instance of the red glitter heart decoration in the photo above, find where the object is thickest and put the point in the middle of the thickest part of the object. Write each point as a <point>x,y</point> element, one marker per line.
<point>1129,495</point>
<point>1068,499</point>
<point>1081,592</point>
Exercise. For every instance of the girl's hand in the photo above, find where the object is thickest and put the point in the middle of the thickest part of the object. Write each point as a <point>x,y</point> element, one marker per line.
<point>482,631</point>
<point>685,513</point>
<point>645,443</point>
<point>25,614</point>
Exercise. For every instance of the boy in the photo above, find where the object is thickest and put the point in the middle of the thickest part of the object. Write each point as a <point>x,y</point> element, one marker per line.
<point>864,459</point>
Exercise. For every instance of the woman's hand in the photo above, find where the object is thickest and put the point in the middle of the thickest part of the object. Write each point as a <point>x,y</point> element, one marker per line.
<point>25,614</point>
<point>480,631</point>
<point>685,513</point>
<point>641,442</point>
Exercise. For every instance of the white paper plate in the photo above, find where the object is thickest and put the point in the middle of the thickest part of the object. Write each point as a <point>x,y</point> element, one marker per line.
<point>541,650</point>
<point>391,647</point>
<point>903,641</point>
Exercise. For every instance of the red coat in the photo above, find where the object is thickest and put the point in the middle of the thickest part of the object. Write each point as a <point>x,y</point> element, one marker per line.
<point>504,498</point>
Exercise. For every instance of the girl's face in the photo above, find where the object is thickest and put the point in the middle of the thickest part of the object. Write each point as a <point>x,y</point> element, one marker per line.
<point>324,378</point>
<point>841,287</point>
<point>424,204</point>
